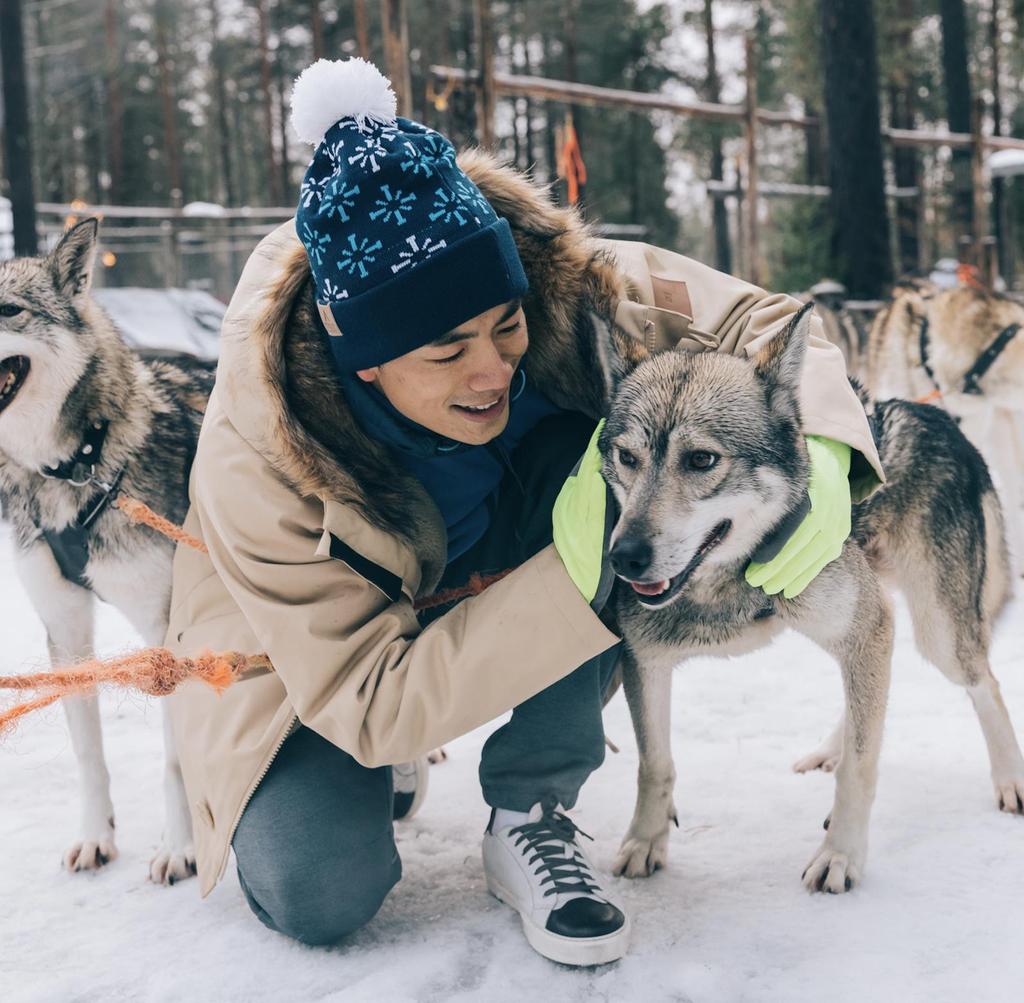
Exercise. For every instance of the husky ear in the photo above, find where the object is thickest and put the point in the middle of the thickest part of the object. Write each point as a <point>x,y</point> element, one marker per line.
<point>618,353</point>
<point>72,259</point>
<point>780,363</point>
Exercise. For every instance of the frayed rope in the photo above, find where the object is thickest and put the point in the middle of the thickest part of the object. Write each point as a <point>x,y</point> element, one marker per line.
<point>140,512</point>
<point>154,671</point>
<point>476,584</point>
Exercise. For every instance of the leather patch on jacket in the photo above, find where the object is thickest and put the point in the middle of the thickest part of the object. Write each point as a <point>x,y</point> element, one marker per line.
<point>380,578</point>
<point>671,294</point>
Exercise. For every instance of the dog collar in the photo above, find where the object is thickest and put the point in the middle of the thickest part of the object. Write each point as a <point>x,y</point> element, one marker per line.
<point>80,469</point>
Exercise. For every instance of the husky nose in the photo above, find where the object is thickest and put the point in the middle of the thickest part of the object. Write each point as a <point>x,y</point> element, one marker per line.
<point>631,556</point>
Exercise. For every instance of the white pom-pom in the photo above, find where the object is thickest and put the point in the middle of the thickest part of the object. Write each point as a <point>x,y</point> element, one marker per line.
<point>331,89</point>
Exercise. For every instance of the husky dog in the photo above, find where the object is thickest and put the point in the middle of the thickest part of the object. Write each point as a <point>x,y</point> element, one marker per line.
<point>842,327</point>
<point>963,349</point>
<point>82,418</point>
<point>705,457</point>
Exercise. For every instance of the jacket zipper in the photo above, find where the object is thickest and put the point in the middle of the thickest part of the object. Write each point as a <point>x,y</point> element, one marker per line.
<point>292,721</point>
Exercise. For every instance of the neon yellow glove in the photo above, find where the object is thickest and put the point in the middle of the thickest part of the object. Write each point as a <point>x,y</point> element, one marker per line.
<point>819,539</point>
<point>578,521</point>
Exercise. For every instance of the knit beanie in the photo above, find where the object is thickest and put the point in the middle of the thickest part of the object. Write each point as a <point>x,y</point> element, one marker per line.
<point>402,245</point>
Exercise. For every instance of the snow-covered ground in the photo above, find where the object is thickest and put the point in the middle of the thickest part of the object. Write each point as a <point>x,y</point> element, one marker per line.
<point>939,916</point>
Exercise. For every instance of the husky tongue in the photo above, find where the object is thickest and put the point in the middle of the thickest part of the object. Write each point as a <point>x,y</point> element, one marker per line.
<point>650,589</point>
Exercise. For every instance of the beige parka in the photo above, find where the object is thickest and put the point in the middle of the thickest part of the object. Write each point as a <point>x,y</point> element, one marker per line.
<point>319,541</point>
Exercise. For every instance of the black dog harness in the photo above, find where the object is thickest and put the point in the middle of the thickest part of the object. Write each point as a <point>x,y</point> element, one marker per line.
<point>70,546</point>
<point>982,364</point>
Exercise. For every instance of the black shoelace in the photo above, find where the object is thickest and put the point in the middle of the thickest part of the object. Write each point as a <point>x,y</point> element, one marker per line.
<point>547,838</point>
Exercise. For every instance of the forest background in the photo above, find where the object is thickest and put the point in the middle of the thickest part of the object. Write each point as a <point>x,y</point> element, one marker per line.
<point>171,102</point>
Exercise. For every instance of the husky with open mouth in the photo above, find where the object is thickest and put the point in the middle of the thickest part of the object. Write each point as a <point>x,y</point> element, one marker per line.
<point>82,418</point>
<point>706,460</point>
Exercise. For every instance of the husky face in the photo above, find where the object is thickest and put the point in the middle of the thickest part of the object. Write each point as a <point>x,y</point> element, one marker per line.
<point>703,453</point>
<point>45,344</point>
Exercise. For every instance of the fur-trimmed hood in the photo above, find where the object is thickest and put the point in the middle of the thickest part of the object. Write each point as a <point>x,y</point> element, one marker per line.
<point>279,386</point>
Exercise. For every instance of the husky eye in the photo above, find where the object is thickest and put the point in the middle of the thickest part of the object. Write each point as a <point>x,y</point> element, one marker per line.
<point>10,310</point>
<point>627,459</point>
<point>701,459</point>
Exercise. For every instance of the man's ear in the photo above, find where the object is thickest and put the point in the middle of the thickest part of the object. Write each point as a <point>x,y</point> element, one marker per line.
<point>780,363</point>
<point>619,354</point>
<point>368,375</point>
<point>72,259</point>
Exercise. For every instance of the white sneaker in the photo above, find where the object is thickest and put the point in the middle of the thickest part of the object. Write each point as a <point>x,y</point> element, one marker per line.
<point>410,787</point>
<point>539,869</point>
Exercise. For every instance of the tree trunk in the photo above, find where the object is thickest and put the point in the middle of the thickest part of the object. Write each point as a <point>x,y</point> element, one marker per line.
<point>571,9</point>
<point>550,119</point>
<point>712,92</point>
<point>115,104</point>
<point>362,29</point>
<point>395,29</point>
<point>905,158</point>
<point>17,147</point>
<point>282,121</point>
<point>1004,251</point>
<point>168,106</point>
<point>860,242</point>
<point>220,102</point>
<point>267,103</point>
<point>531,157</point>
<point>316,18</point>
<point>958,108</point>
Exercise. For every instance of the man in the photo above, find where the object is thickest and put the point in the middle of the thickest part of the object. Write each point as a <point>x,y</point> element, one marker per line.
<point>401,397</point>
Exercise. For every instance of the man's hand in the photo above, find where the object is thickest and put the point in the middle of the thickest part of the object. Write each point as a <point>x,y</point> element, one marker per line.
<point>819,539</point>
<point>578,521</point>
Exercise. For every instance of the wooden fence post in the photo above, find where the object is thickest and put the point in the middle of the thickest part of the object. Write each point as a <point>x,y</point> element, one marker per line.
<point>485,92</point>
<point>396,52</point>
<point>979,228</point>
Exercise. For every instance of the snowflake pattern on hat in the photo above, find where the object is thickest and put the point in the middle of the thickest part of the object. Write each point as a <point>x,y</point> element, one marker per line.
<point>379,200</point>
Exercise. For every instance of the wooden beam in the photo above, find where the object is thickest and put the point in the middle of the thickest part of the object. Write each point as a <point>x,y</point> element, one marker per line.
<point>586,94</point>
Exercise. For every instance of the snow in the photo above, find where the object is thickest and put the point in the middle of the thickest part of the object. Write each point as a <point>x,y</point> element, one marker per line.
<point>938,916</point>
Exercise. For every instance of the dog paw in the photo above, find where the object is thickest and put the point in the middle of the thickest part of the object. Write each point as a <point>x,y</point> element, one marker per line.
<point>436,756</point>
<point>91,854</point>
<point>1010,794</point>
<point>821,759</point>
<point>639,857</point>
<point>170,866</point>
<point>830,871</point>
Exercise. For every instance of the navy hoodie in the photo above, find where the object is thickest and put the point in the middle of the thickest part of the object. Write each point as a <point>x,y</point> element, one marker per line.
<point>461,479</point>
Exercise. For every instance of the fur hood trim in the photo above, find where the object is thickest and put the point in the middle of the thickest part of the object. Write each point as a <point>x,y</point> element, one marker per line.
<point>302,422</point>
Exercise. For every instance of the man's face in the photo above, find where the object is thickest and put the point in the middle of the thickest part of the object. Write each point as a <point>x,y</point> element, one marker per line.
<point>458,385</point>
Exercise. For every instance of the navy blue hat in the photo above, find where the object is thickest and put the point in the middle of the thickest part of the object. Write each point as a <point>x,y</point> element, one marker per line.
<point>402,245</point>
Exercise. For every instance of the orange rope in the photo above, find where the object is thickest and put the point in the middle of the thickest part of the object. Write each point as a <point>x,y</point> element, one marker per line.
<point>155,671</point>
<point>570,162</point>
<point>476,584</point>
<point>139,512</point>
<point>932,395</point>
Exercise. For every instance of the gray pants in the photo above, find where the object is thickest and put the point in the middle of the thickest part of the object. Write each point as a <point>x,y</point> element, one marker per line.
<point>315,848</point>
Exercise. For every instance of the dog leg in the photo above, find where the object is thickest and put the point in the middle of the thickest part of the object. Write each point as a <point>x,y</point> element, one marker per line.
<point>952,637</point>
<point>176,858</point>
<point>1003,749</point>
<point>865,657</point>
<point>1005,464</point>
<point>67,613</point>
<point>649,694</point>
<point>826,756</point>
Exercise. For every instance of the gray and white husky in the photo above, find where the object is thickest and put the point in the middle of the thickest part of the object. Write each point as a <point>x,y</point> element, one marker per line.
<point>83,417</point>
<point>706,459</point>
